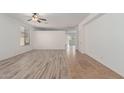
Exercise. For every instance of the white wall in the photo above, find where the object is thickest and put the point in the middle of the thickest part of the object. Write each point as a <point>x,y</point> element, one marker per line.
<point>104,41</point>
<point>49,39</point>
<point>9,37</point>
<point>81,39</point>
<point>81,31</point>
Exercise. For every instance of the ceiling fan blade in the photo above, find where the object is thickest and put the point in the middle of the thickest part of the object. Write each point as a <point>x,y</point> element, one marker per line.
<point>38,21</point>
<point>43,19</point>
<point>29,19</point>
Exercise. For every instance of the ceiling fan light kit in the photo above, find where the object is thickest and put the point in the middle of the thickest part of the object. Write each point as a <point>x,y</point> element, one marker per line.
<point>36,18</point>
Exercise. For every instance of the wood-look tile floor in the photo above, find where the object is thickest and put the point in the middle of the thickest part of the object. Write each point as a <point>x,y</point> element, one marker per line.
<point>54,64</point>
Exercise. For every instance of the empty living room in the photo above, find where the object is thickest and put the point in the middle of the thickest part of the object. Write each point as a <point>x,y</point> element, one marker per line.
<point>61,46</point>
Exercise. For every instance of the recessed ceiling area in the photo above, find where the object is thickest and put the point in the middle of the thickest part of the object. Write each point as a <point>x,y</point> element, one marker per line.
<point>54,20</point>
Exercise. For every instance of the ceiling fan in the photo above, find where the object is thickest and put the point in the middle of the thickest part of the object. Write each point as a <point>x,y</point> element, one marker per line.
<point>36,17</point>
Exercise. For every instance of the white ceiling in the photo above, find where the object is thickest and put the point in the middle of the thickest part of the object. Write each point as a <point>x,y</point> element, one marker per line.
<point>55,20</point>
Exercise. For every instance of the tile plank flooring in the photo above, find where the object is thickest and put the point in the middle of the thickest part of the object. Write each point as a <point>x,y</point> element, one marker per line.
<point>54,64</point>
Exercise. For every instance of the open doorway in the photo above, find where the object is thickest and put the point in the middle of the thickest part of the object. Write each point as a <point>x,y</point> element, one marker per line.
<point>71,42</point>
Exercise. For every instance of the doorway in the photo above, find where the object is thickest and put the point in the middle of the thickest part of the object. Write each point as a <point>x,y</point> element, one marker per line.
<point>71,42</point>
